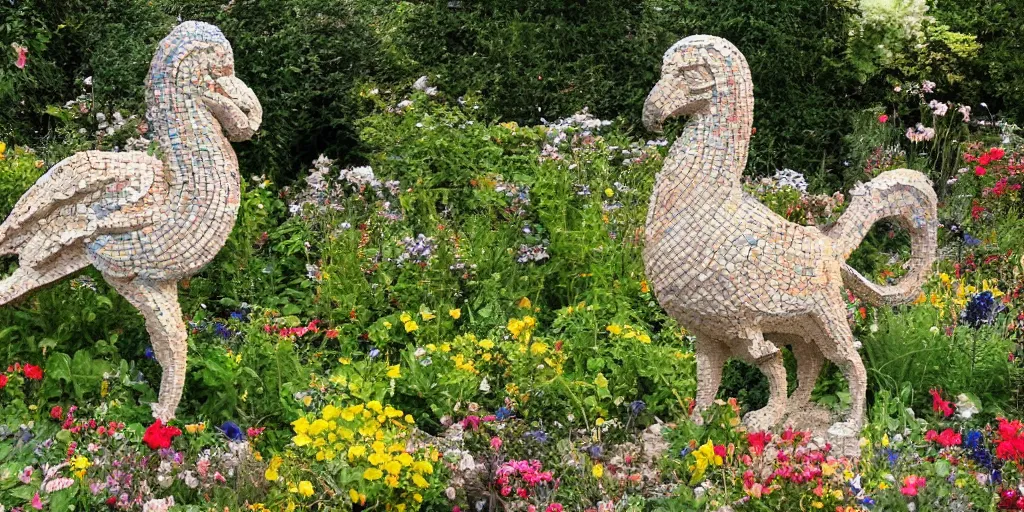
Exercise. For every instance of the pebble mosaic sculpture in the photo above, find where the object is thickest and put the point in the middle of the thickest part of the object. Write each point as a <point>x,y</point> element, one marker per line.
<point>146,222</point>
<point>742,279</point>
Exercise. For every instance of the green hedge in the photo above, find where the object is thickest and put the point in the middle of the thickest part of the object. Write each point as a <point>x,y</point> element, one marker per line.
<point>530,59</point>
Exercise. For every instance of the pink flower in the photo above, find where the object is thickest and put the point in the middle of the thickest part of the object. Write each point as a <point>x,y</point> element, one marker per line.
<point>495,443</point>
<point>554,507</point>
<point>911,484</point>
<point>947,438</point>
<point>37,503</point>
<point>22,55</point>
<point>883,118</point>
<point>979,171</point>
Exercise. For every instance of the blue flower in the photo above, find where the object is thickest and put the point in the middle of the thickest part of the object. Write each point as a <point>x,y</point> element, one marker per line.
<point>893,456</point>
<point>970,241</point>
<point>503,413</point>
<point>684,452</point>
<point>149,353</point>
<point>232,431</point>
<point>222,330</point>
<point>997,477</point>
<point>537,435</point>
<point>374,352</point>
<point>594,450</point>
<point>867,501</point>
<point>238,315</point>
<point>636,407</point>
<point>981,309</point>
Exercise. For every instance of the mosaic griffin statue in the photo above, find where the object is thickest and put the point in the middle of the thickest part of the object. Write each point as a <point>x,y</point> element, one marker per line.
<point>742,279</point>
<point>145,222</point>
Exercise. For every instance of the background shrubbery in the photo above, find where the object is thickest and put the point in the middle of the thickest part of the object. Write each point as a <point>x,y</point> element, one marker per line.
<point>535,59</point>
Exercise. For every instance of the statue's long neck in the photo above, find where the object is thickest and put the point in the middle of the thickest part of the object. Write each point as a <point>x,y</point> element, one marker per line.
<point>705,164</point>
<point>202,169</point>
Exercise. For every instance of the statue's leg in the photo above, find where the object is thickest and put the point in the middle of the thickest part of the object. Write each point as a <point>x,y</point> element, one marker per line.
<point>26,279</point>
<point>837,345</point>
<point>808,365</point>
<point>711,357</point>
<point>158,303</point>
<point>769,359</point>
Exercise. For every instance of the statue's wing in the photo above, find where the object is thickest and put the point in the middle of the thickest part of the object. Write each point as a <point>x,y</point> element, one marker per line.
<point>90,193</point>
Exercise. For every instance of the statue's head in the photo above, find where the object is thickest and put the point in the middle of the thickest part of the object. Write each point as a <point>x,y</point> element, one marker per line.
<point>695,73</point>
<point>195,61</point>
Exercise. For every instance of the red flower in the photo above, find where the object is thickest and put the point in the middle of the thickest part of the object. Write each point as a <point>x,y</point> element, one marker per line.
<point>57,412</point>
<point>979,171</point>
<point>757,441</point>
<point>996,153</point>
<point>883,118</point>
<point>159,436</point>
<point>33,372</point>
<point>940,405</point>
<point>3,380</point>
<point>985,159</point>
<point>947,438</point>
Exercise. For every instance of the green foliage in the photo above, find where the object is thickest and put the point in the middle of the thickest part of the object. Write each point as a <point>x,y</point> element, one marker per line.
<point>908,348</point>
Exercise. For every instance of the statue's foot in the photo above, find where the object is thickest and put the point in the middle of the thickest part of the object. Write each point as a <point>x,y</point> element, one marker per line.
<point>162,412</point>
<point>845,429</point>
<point>807,415</point>
<point>764,419</point>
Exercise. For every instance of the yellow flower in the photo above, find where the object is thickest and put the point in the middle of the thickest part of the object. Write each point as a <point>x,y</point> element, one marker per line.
<point>3,148</point>
<point>486,344</point>
<point>538,348</point>
<point>609,192</point>
<point>306,400</point>
<point>372,474</point>
<point>525,303</point>
<point>420,481</point>
<point>353,495</point>
<point>446,347</point>
<point>330,412</point>
<point>597,471</point>
<point>301,440</point>
<point>374,406</point>
<point>393,467</point>
<point>427,315</point>
<point>271,473</point>
<point>817,504</point>
<point>80,462</point>
<point>614,329</point>
<point>394,371</point>
<point>405,317</point>
<point>601,381</point>
<point>417,497</point>
<point>388,325</point>
<point>827,469</point>
<point>305,488</point>
<point>195,428</point>
<point>356,451</point>
<point>883,486</point>
<point>644,287</point>
<point>885,440</point>
<point>411,326</point>
<point>455,313</point>
<point>317,427</point>
<point>391,481</point>
<point>422,466</point>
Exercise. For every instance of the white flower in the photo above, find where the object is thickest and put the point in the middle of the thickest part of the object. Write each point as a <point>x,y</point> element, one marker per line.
<point>938,108</point>
<point>928,86</point>
<point>87,81</point>
<point>450,493</point>
<point>965,407</point>
<point>791,178</point>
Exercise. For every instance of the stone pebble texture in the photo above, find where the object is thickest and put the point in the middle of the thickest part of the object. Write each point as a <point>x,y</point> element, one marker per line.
<point>740,278</point>
<point>146,222</point>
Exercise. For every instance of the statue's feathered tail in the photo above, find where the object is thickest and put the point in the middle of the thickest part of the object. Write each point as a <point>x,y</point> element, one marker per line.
<point>912,203</point>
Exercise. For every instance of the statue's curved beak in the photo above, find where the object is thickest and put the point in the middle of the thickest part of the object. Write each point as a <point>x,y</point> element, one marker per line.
<point>236,107</point>
<point>654,108</point>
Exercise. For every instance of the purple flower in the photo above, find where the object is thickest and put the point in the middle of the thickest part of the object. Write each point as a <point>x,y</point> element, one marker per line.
<point>149,353</point>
